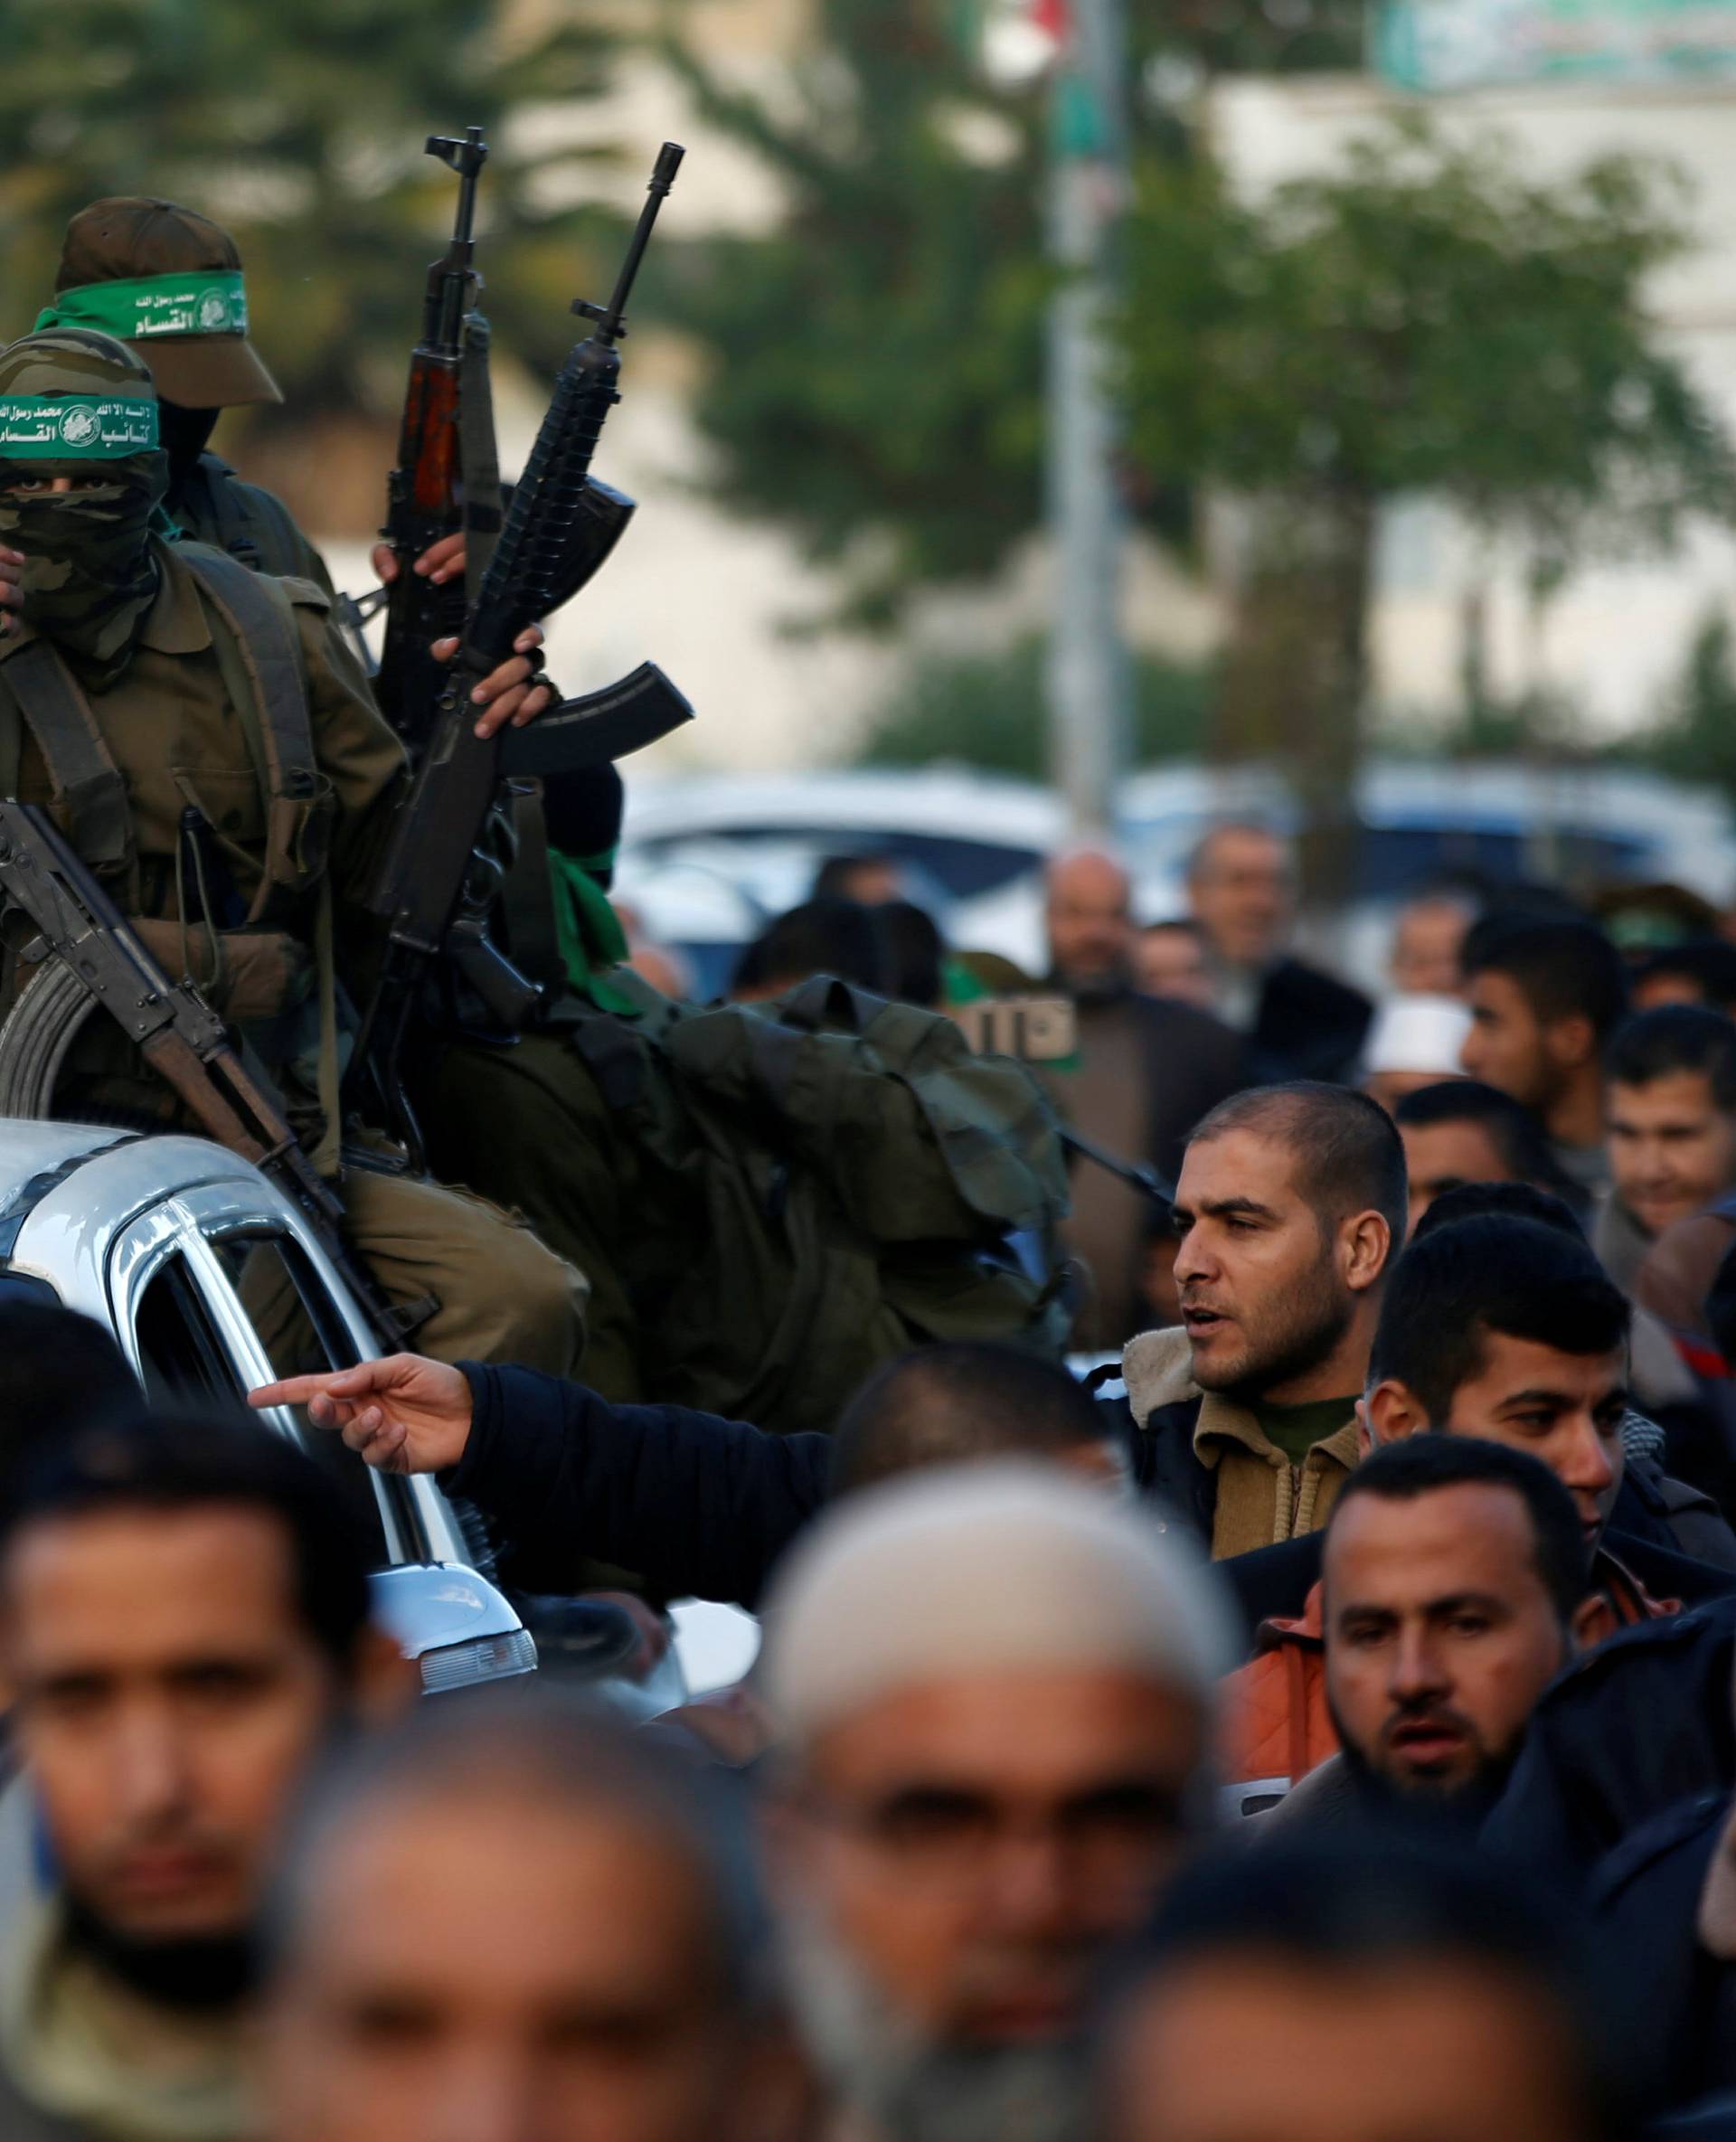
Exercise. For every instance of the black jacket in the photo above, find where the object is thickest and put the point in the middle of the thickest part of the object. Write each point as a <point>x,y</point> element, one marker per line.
<point>1642,1721</point>
<point>1644,1900</point>
<point>695,1504</point>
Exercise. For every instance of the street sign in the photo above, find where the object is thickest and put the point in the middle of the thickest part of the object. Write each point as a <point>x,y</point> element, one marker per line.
<point>1462,44</point>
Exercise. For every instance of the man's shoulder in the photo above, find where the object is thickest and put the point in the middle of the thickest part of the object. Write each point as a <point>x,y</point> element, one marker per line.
<point>1628,1660</point>
<point>211,566</point>
<point>1682,1839</point>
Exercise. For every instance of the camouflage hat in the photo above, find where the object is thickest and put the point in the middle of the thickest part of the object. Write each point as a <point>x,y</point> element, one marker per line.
<point>169,282</point>
<point>71,394</point>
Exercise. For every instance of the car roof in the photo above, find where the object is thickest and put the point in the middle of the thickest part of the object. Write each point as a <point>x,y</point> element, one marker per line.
<point>148,1167</point>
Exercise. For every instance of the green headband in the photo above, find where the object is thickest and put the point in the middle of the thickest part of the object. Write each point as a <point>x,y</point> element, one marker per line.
<point>203,301</point>
<point>75,427</point>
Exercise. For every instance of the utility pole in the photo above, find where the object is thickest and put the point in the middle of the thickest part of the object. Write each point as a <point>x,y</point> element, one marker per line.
<point>1087,677</point>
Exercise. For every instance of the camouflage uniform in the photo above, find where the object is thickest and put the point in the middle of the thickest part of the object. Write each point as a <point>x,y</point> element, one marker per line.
<point>231,870</point>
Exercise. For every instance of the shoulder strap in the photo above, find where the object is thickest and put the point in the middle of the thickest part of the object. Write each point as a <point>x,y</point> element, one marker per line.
<point>232,529</point>
<point>262,630</point>
<point>86,781</point>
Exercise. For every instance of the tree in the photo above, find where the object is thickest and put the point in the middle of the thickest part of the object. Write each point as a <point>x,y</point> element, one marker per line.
<point>987,710</point>
<point>301,129</point>
<point>875,361</point>
<point>1421,320</point>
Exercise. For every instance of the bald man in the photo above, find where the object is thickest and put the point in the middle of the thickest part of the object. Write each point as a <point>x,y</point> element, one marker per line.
<point>1144,1071</point>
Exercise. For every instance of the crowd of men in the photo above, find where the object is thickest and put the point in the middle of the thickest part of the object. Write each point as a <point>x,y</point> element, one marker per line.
<point>1317,1721</point>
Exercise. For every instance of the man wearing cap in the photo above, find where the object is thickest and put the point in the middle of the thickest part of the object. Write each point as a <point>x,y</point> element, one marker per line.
<point>207,742</point>
<point>169,283</point>
<point>993,1690</point>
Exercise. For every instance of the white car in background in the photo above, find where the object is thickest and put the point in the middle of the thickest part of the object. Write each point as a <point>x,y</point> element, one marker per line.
<point>707,862</point>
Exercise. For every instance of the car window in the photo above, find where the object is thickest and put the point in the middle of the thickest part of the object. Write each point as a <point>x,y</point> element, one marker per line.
<point>180,1353</point>
<point>300,1331</point>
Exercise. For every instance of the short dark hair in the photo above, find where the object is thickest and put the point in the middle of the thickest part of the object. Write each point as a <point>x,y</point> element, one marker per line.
<point>821,937</point>
<point>1708,962</point>
<point>836,873</point>
<point>1675,1037</point>
<point>1511,1201</point>
<point>1454,1286</point>
<point>1349,1156</point>
<point>1384,1897</point>
<point>63,1371</point>
<point>1510,1127</point>
<point>915,953</point>
<point>1420,1465</point>
<point>960,1398</point>
<point>172,1462</point>
<point>1563,969</point>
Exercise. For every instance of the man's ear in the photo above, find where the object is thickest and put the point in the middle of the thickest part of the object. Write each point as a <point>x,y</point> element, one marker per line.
<point>1390,1412</point>
<point>1572,1040</point>
<point>1366,1241</point>
<point>1593,1620</point>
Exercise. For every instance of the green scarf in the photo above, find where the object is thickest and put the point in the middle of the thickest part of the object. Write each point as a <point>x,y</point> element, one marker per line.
<point>88,577</point>
<point>588,930</point>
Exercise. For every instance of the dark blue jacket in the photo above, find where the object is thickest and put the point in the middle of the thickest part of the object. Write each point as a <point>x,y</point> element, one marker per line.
<point>695,1503</point>
<point>1638,1724</point>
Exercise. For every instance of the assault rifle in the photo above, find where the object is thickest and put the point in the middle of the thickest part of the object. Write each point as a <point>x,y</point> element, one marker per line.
<point>446,478</point>
<point>440,876</point>
<point>175,1030</point>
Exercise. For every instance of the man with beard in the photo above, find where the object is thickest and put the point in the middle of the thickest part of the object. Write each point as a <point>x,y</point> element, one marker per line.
<point>1455,1589</point>
<point>1290,1203</point>
<point>209,746</point>
<point>1300,1023</point>
<point>995,1693</point>
<point>510,1922</point>
<point>184,1626</point>
<point>1144,1069</point>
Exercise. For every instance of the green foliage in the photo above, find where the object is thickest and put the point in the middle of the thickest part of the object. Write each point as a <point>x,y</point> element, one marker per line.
<point>1696,740</point>
<point>875,362</point>
<point>300,127</point>
<point>987,710</point>
<point>1421,319</point>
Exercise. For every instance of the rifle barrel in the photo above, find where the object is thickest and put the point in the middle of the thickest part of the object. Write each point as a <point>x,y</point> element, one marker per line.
<point>668,162</point>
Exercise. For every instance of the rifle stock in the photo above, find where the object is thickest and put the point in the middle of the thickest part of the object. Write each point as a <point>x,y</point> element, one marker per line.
<point>178,1033</point>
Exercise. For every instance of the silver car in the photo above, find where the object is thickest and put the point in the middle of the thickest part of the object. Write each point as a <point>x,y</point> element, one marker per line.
<point>155,1237</point>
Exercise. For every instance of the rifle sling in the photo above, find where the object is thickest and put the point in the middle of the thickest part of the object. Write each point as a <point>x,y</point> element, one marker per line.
<point>259,655</point>
<point>87,784</point>
<point>478,462</point>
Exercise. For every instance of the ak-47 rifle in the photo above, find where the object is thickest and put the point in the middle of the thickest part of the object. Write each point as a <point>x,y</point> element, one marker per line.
<point>447,479</point>
<point>439,879</point>
<point>175,1030</point>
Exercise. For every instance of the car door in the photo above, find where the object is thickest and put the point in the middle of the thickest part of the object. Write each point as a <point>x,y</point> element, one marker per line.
<point>182,1320</point>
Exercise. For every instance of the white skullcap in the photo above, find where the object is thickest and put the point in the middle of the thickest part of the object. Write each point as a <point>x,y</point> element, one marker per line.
<point>1009,1565</point>
<point>1418,1034</point>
